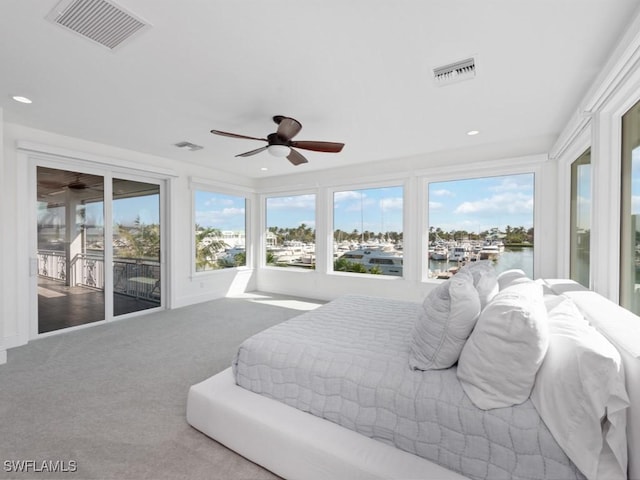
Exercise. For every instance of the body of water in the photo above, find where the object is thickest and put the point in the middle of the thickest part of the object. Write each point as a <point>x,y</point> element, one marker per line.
<point>512,257</point>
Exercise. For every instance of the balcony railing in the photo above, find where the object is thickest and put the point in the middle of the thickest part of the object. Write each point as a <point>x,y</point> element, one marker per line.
<point>131,277</point>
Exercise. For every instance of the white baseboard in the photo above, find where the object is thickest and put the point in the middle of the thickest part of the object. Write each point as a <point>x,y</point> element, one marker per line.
<point>12,341</point>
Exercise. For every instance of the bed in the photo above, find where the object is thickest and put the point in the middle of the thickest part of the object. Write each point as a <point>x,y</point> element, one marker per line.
<point>300,425</point>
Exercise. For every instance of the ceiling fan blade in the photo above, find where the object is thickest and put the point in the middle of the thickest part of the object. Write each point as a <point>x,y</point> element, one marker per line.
<point>252,152</point>
<point>296,158</point>
<point>287,127</point>
<point>329,147</point>
<point>235,135</point>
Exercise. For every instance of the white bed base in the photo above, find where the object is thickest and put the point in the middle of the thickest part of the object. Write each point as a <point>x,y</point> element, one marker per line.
<point>294,444</point>
<point>297,445</point>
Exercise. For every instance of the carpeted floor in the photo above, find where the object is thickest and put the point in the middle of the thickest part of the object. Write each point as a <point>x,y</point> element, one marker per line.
<point>112,398</point>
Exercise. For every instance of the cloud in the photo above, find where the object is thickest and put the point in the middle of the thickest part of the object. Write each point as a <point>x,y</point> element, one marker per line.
<point>435,205</point>
<point>509,184</point>
<point>215,201</point>
<point>348,195</point>
<point>512,202</point>
<point>392,203</point>
<point>298,201</point>
<point>441,192</point>
<point>230,212</point>
<point>358,205</point>
<point>224,219</point>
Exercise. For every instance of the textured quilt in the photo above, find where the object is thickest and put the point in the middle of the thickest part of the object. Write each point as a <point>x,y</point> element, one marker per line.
<point>348,362</point>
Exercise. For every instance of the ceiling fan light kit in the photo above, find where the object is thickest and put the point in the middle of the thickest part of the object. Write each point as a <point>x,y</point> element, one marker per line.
<point>279,150</point>
<point>280,143</point>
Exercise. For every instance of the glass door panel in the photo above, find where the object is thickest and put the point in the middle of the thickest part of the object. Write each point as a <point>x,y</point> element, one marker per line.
<point>630,210</point>
<point>136,246</point>
<point>581,219</point>
<point>70,248</point>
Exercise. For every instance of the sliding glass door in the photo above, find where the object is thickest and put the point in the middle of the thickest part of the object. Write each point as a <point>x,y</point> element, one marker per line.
<point>70,254</point>
<point>74,286</point>
<point>136,246</point>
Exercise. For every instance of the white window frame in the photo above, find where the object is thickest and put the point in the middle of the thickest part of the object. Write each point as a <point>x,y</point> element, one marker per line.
<point>402,182</point>
<point>203,185</point>
<point>262,250</point>
<point>491,169</point>
<point>580,145</point>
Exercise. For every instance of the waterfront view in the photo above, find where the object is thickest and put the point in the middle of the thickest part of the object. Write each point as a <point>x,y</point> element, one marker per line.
<point>511,257</point>
<point>468,220</point>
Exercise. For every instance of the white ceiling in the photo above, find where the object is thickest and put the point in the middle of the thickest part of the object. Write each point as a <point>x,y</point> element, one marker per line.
<point>352,71</point>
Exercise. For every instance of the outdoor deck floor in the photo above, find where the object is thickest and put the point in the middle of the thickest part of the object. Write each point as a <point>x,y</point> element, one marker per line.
<point>60,306</point>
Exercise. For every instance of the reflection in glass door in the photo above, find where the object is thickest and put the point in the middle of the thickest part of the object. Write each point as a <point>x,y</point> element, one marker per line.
<point>630,211</point>
<point>136,246</point>
<point>70,249</point>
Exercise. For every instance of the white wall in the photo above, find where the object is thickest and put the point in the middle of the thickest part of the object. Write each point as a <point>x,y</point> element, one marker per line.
<point>20,144</point>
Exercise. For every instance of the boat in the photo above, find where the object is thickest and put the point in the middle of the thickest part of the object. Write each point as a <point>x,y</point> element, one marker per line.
<point>489,252</point>
<point>459,253</point>
<point>440,252</point>
<point>388,261</point>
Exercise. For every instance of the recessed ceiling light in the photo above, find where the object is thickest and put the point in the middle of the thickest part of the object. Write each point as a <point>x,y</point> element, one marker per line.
<point>21,99</point>
<point>264,169</point>
<point>473,132</point>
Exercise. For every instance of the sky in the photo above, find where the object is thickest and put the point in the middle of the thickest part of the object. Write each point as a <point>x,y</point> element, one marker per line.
<point>373,209</point>
<point>224,212</point>
<point>473,205</point>
<point>479,204</point>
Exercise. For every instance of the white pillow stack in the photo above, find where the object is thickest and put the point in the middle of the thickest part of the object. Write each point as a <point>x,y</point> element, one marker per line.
<point>449,313</point>
<point>580,394</point>
<point>499,362</point>
<point>509,277</point>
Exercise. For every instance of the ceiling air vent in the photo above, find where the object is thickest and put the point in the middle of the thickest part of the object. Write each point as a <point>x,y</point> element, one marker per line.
<point>192,147</point>
<point>102,21</point>
<point>455,72</point>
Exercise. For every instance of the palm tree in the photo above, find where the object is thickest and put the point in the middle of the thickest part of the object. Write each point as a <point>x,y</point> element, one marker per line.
<point>142,241</point>
<point>208,244</point>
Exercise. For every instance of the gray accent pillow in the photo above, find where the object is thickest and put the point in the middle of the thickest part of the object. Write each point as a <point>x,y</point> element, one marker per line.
<point>485,279</point>
<point>448,316</point>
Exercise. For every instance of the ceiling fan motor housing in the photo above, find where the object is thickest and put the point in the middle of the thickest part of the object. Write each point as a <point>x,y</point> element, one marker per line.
<point>275,139</point>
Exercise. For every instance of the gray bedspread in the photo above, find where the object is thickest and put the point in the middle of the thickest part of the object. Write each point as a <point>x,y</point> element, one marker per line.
<point>347,362</point>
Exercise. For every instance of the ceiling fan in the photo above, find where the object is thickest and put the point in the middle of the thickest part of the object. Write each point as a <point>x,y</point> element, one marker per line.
<point>279,143</point>
<point>75,185</point>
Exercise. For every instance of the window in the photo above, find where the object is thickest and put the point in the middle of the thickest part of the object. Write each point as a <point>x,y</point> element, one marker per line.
<point>580,218</point>
<point>367,236</point>
<point>290,239</point>
<point>488,218</point>
<point>630,211</point>
<point>219,231</point>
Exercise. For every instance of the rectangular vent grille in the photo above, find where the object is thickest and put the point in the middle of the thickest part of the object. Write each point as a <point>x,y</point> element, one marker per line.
<point>188,146</point>
<point>99,20</point>
<point>455,72</point>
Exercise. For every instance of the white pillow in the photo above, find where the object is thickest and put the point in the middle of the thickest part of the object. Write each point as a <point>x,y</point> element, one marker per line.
<point>498,364</point>
<point>449,314</point>
<point>580,394</point>
<point>485,279</point>
<point>507,277</point>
